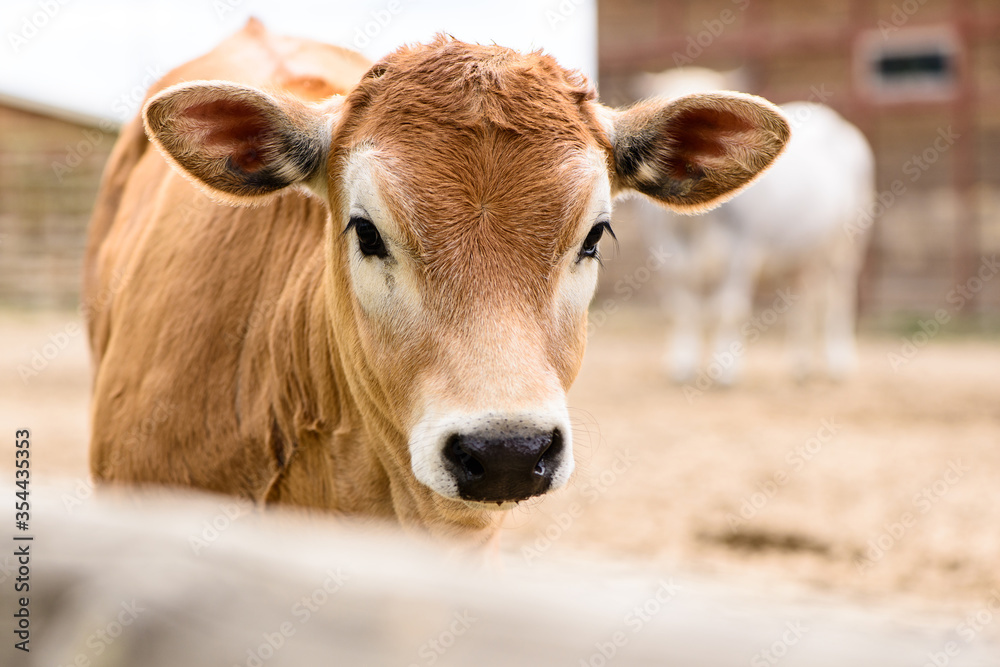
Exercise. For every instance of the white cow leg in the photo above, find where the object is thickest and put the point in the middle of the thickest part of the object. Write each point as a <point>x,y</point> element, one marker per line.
<point>684,354</point>
<point>732,306</point>
<point>803,323</point>
<point>839,322</point>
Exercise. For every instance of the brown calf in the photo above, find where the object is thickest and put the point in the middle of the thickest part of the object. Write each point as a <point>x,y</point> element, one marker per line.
<point>387,321</point>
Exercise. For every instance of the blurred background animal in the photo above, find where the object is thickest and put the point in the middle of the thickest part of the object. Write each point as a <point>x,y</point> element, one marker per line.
<point>796,229</point>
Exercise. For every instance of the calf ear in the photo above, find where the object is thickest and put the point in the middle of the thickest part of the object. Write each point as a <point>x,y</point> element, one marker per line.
<point>696,151</point>
<point>240,142</point>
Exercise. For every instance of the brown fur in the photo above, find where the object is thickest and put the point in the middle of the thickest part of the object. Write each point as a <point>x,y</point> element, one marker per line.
<point>239,328</point>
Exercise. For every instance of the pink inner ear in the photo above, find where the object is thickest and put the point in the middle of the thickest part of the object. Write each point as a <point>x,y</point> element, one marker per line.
<point>230,127</point>
<point>708,138</point>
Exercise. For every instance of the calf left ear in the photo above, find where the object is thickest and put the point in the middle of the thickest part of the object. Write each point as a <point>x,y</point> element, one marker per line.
<point>696,151</point>
<point>239,143</point>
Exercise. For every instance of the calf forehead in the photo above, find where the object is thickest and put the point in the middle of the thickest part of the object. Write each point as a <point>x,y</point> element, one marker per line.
<point>494,192</point>
<point>493,154</point>
<point>489,217</point>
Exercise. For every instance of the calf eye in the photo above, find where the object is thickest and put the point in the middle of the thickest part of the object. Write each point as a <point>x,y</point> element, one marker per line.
<point>369,240</point>
<point>589,248</point>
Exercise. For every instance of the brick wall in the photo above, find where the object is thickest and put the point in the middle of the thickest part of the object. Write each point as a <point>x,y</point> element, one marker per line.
<point>49,173</point>
<point>787,49</point>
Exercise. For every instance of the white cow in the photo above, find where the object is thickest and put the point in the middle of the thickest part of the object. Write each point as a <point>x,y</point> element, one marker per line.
<point>802,224</point>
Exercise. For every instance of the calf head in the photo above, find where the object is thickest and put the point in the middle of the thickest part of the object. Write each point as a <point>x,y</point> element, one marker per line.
<point>468,189</point>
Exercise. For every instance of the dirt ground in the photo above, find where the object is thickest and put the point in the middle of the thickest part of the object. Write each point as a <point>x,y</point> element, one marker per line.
<point>883,486</point>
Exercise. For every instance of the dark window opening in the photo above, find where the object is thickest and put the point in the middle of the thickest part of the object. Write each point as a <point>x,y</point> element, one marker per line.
<point>909,67</point>
<point>912,64</point>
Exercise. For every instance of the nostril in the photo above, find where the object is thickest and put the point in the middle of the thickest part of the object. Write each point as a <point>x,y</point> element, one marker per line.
<point>463,458</point>
<point>551,454</point>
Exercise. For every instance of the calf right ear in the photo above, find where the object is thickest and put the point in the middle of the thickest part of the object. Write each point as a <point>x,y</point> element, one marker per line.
<point>239,143</point>
<point>695,152</point>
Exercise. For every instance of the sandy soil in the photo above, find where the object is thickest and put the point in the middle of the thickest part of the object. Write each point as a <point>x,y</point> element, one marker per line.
<point>881,486</point>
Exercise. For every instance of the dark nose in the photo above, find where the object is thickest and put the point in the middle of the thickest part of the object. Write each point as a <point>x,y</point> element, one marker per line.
<point>500,469</point>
